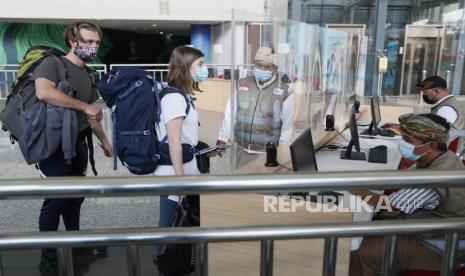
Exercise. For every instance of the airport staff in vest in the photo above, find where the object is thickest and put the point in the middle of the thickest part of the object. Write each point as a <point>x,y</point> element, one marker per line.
<point>264,109</point>
<point>434,92</point>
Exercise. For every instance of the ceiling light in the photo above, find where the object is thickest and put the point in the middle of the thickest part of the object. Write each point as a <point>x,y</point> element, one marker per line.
<point>154,25</point>
<point>161,33</point>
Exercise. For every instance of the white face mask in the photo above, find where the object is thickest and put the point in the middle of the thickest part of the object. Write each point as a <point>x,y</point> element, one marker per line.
<point>407,149</point>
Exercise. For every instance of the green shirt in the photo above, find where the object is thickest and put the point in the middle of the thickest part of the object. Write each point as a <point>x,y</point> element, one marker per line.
<point>78,78</point>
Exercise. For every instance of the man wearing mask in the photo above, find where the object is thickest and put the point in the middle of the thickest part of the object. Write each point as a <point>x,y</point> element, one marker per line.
<point>264,109</point>
<point>434,92</point>
<point>424,138</point>
<point>83,40</point>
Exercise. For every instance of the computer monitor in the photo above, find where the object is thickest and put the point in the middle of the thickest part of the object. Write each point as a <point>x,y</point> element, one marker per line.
<point>375,117</point>
<point>303,153</point>
<point>354,141</point>
<point>227,74</point>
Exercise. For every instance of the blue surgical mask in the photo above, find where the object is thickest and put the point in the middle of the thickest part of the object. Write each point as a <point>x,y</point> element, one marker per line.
<point>200,74</point>
<point>262,75</point>
<point>406,149</point>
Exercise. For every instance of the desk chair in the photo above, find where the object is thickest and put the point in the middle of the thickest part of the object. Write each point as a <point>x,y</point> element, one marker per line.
<point>453,146</point>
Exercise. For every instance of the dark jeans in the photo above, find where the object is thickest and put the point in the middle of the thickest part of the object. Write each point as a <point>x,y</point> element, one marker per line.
<point>68,208</point>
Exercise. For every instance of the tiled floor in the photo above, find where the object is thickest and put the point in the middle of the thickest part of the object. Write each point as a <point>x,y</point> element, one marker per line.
<point>26,263</point>
<point>96,213</point>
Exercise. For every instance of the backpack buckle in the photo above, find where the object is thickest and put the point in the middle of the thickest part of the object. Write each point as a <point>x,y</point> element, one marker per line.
<point>146,132</point>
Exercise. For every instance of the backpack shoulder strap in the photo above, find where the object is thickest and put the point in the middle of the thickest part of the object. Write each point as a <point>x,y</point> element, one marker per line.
<point>62,69</point>
<point>169,90</point>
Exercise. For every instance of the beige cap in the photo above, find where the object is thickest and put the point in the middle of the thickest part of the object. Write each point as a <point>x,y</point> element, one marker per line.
<point>266,54</point>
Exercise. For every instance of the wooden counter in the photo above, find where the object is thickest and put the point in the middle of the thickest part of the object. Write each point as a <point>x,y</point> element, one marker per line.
<point>291,257</point>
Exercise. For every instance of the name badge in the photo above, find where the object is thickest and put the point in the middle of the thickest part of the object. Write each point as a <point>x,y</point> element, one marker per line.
<point>278,91</point>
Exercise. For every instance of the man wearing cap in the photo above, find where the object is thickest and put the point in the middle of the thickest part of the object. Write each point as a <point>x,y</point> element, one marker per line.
<point>434,92</point>
<point>264,107</point>
<point>424,140</point>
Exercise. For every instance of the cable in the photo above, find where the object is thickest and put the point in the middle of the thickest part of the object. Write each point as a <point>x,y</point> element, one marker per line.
<point>340,134</point>
<point>289,169</point>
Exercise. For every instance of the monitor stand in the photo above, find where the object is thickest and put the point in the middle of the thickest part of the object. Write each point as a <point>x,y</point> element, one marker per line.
<point>352,155</point>
<point>372,130</point>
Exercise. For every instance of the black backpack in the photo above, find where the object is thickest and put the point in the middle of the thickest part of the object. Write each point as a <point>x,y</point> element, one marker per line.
<point>179,259</point>
<point>23,93</point>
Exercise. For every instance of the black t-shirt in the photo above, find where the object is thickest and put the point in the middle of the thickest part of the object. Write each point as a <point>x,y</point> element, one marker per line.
<point>78,78</point>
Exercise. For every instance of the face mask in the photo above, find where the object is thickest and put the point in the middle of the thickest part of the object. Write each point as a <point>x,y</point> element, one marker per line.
<point>406,149</point>
<point>200,74</point>
<point>86,53</point>
<point>429,101</point>
<point>262,75</point>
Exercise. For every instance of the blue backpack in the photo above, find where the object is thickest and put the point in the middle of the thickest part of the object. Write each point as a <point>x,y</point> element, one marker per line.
<point>134,98</point>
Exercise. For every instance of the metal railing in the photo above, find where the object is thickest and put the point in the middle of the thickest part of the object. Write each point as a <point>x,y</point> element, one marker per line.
<point>159,71</point>
<point>8,73</point>
<point>160,185</point>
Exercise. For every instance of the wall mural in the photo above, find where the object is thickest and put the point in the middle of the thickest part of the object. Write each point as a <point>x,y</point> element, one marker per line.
<point>16,38</point>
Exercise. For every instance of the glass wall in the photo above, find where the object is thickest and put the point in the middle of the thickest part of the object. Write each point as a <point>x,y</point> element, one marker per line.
<point>421,37</point>
<point>320,72</point>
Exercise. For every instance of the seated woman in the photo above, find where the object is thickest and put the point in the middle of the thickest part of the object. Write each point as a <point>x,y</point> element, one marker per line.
<point>424,140</point>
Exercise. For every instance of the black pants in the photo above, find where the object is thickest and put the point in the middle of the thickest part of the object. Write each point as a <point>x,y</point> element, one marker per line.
<point>68,208</point>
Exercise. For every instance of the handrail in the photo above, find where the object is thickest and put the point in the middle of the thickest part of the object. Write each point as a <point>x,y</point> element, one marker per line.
<point>119,237</point>
<point>210,184</point>
<point>144,186</point>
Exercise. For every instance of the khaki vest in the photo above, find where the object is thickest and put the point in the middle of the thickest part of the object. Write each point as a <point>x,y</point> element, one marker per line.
<point>258,116</point>
<point>452,199</point>
<point>457,106</point>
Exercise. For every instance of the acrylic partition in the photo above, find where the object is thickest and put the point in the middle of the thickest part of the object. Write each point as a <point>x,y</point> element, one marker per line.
<point>320,73</point>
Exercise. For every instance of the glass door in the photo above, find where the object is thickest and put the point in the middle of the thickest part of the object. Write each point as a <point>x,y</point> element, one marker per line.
<point>421,57</point>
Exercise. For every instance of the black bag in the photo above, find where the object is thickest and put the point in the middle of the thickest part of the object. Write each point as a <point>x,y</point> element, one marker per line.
<point>180,259</point>
<point>203,161</point>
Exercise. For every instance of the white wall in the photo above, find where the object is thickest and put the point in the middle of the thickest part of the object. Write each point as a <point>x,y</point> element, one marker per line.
<point>214,10</point>
<point>221,35</point>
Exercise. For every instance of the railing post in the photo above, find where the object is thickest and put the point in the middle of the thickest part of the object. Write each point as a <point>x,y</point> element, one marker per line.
<point>330,255</point>
<point>266,260</point>
<point>389,268</point>
<point>202,258</point>
<point>450,252</point>
<point>65,261</point>
<point>1,264</point>
<point>134,253</point>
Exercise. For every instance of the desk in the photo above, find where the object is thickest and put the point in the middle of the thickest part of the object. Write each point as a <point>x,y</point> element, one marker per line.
<point>298,257</point>
<point>328,160</point>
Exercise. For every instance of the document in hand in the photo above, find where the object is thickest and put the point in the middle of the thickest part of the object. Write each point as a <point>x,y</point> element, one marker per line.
<point>214,148</point>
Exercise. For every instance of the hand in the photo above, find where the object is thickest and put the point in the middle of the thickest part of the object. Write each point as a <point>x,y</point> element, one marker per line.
<point>107,149</point>
<point>215,153</point>
<point>93,112</point>
<point>394,128</point>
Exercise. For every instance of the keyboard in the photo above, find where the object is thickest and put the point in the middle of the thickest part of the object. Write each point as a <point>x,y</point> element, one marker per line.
<point>378,155</point>
<point>386,132</point>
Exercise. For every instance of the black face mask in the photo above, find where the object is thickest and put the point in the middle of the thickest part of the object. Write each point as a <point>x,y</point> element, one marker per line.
<point>428,100</point>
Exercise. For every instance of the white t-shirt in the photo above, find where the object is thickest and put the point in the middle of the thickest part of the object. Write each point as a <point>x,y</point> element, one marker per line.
<point>173,106</point>
<point>447,112</point>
